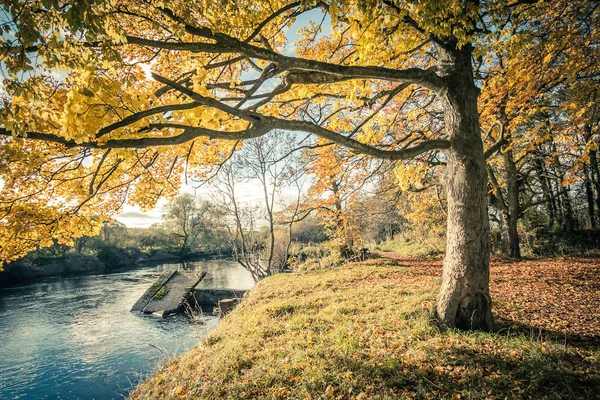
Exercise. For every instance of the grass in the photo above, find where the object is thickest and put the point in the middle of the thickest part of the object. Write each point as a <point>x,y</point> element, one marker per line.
<point>413,248</point>
<point>161,293</point>
<point>365,331</point>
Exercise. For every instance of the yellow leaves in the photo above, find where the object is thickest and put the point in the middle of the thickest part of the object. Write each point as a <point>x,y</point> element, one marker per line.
<point>334,12</point>
<point>348,376</point>
<point>410,173</point>
<point>330,391</point>
<point>370,134</point>
<point>281,393</point>
<point>178,391</point>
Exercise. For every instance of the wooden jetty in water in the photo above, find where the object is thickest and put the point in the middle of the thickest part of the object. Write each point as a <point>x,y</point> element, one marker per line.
<point>176,292</point>
<point>170,294</point>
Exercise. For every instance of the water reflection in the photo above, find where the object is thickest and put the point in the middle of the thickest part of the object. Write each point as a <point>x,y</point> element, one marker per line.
<point>75,338</point>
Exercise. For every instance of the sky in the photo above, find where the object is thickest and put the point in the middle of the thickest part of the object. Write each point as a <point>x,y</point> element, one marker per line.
<point>248,192</point>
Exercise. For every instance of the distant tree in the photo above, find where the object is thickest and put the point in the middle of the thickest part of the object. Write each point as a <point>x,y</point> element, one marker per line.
<point>190,222</point>
<point>114,232</point>
<point>309,230</point>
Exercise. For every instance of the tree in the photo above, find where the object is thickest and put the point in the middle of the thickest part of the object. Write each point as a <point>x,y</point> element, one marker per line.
<point>530,111</point>
<point>268,160</point>
<point>105,134</point>
<point>330,195</point>
<point>191,221</point>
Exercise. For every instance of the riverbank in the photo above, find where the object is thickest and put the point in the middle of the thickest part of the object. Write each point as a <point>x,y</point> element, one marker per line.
<point>365,331</point>
<point>31,269</point>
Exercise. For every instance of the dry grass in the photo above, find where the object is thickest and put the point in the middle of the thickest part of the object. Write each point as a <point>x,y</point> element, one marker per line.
<point>364,331</point>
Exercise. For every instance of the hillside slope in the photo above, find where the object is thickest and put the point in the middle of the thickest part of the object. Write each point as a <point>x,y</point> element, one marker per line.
<point>365,331</point>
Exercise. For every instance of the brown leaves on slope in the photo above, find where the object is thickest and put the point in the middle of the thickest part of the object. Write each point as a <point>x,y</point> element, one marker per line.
<point>557,297</point>
<point>551,297</point>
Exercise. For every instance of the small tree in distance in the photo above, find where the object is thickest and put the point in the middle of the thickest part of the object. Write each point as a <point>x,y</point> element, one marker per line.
<point>269,162</point>
<point>191,222</point>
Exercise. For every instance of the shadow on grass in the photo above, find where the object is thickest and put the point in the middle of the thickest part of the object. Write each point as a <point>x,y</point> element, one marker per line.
<point>467,373</point>
<point>511,327</point>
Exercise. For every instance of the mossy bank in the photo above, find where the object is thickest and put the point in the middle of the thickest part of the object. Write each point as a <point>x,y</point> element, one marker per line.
<point>365,331</point>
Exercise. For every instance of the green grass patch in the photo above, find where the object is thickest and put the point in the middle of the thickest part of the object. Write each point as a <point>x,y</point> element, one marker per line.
<point>413,248</point>
<point>365,331</point>
<point>161,293</point>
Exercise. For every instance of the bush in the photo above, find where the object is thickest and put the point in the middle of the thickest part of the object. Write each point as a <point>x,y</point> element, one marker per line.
<point>114,257</point>
<point>547,243</point>
<point>302,252</point>
<point>425,248</point>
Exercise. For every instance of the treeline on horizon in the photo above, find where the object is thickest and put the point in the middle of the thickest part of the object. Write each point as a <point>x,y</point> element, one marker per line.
<point>563,220</point>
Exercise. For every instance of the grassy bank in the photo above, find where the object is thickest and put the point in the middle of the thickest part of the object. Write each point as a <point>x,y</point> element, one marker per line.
<point>365,331</point>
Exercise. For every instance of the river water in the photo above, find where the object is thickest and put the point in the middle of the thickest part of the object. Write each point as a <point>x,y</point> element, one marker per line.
<point>74,338</point>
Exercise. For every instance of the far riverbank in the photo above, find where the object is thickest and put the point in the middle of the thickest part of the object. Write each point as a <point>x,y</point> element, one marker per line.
<point>32,269</point>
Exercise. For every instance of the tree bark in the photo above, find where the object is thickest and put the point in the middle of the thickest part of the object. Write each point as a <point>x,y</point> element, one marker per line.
<point>569,219</point>
<point>509,208</point>
<point>547,189</point>
<point>560,214</point>
<point>504,238</point>
<point>346,247</point>
<point>464,301</point>
<point>590,196</point>
<point>594,171</point>
<point>514,208</point>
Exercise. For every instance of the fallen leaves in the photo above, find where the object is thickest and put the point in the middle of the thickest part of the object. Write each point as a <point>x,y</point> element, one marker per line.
<point>556,297</point>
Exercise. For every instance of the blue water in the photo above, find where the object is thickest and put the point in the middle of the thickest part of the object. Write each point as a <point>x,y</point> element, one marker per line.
<point>74,338</point>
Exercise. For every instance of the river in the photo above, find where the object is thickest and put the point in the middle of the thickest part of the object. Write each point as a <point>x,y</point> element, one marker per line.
<point>74,337</point>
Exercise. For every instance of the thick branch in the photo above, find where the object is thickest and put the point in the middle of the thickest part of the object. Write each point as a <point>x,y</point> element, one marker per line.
<point>226,44</point>
<point>266,125</point>
<point>362,148</point>
<point>142,114</point>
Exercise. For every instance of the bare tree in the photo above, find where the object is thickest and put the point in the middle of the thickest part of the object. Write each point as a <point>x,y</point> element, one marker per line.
<point>270,161</point>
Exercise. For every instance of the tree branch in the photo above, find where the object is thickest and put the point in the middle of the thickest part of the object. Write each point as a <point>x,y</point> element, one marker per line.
<point>142,114</point>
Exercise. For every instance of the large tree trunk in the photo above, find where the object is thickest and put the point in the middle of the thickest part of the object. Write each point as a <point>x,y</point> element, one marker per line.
<point>464,300</point>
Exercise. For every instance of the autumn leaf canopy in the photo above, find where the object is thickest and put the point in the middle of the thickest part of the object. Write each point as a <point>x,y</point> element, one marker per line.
<point>108,102</point>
